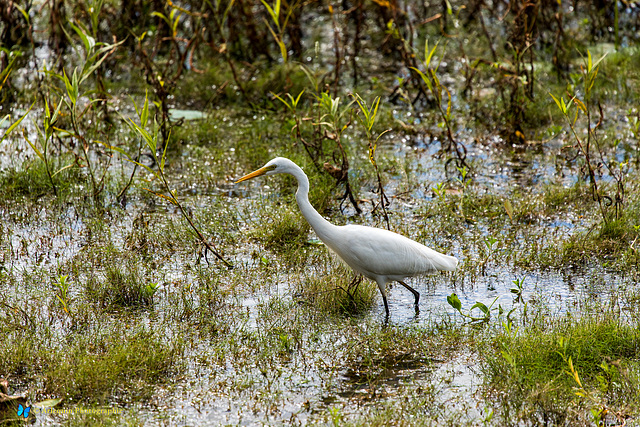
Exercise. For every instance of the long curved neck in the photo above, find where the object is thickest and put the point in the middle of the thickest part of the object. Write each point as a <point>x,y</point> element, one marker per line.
<point>317,222</point>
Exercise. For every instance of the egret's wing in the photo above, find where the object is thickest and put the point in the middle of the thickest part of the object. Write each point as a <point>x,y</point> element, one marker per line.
<point>373,251</point>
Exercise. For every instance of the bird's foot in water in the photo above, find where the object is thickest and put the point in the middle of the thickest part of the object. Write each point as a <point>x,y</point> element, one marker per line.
<point>385,323</point>
<point>416,316</point>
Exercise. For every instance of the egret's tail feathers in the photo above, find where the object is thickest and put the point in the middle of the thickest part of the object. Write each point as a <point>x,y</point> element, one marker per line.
<point>446,263</point>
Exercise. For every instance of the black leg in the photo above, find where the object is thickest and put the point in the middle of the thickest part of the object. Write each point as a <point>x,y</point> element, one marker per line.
<point>386,305</point>
<point>382,286</point>
<point>385,323</point>
<point>413,291</point>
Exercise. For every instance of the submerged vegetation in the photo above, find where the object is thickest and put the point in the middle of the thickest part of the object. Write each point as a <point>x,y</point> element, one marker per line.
<point>134,275</point>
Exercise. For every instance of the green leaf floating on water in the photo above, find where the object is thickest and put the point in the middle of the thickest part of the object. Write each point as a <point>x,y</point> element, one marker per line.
<point>49,403</point>
<point>186,114</point>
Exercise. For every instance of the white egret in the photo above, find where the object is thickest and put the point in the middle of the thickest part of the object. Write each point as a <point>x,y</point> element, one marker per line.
<point>380,255</point>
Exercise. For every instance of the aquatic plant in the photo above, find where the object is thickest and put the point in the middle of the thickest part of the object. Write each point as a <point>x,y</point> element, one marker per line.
<point>368,120</point>
<point>329,125</point>
<point>152,141</point>
<point>438,91</point>
<point>589,147</point>
<point>274,13</point>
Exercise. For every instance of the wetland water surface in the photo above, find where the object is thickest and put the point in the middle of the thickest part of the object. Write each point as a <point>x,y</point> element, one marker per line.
<point>272,361</point>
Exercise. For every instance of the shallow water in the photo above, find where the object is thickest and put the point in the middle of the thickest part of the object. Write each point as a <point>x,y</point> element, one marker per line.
<point>297,393</point>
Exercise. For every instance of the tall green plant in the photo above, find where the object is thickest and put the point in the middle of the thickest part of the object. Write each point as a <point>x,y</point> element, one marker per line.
<point>63,293</point>
<point>94,55</point>
<point>41,145</point>
<point>329,125</point>
<point>152,139</point>
<point>585,144</point>
<point>278,33</point>
<point>438,91</point>
<point>367,120</point>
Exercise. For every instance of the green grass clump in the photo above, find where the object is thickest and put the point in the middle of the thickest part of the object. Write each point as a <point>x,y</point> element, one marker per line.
<point>380,353</point>
<point>124,359</point>
<point>533,372</point>
<point>337,295</point>
<point>31,179</point>
<point>560,198</point>
<point>613,242</point>
<point>121,288</point>
<point>287,232</point>
<point>616,230</point>
<point>483,206</point>
<point>19,349</point>
<point>98,365</point>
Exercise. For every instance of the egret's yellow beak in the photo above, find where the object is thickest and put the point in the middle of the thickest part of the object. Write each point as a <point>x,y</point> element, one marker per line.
<point>253,174</point>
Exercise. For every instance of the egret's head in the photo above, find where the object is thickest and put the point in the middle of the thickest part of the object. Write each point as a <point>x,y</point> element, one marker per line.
<point>277,165</point>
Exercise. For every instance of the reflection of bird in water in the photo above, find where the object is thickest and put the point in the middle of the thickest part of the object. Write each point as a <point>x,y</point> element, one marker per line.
<point>380,255</point>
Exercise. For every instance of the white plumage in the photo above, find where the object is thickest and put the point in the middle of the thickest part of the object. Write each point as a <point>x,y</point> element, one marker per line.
<point>380,255</point>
